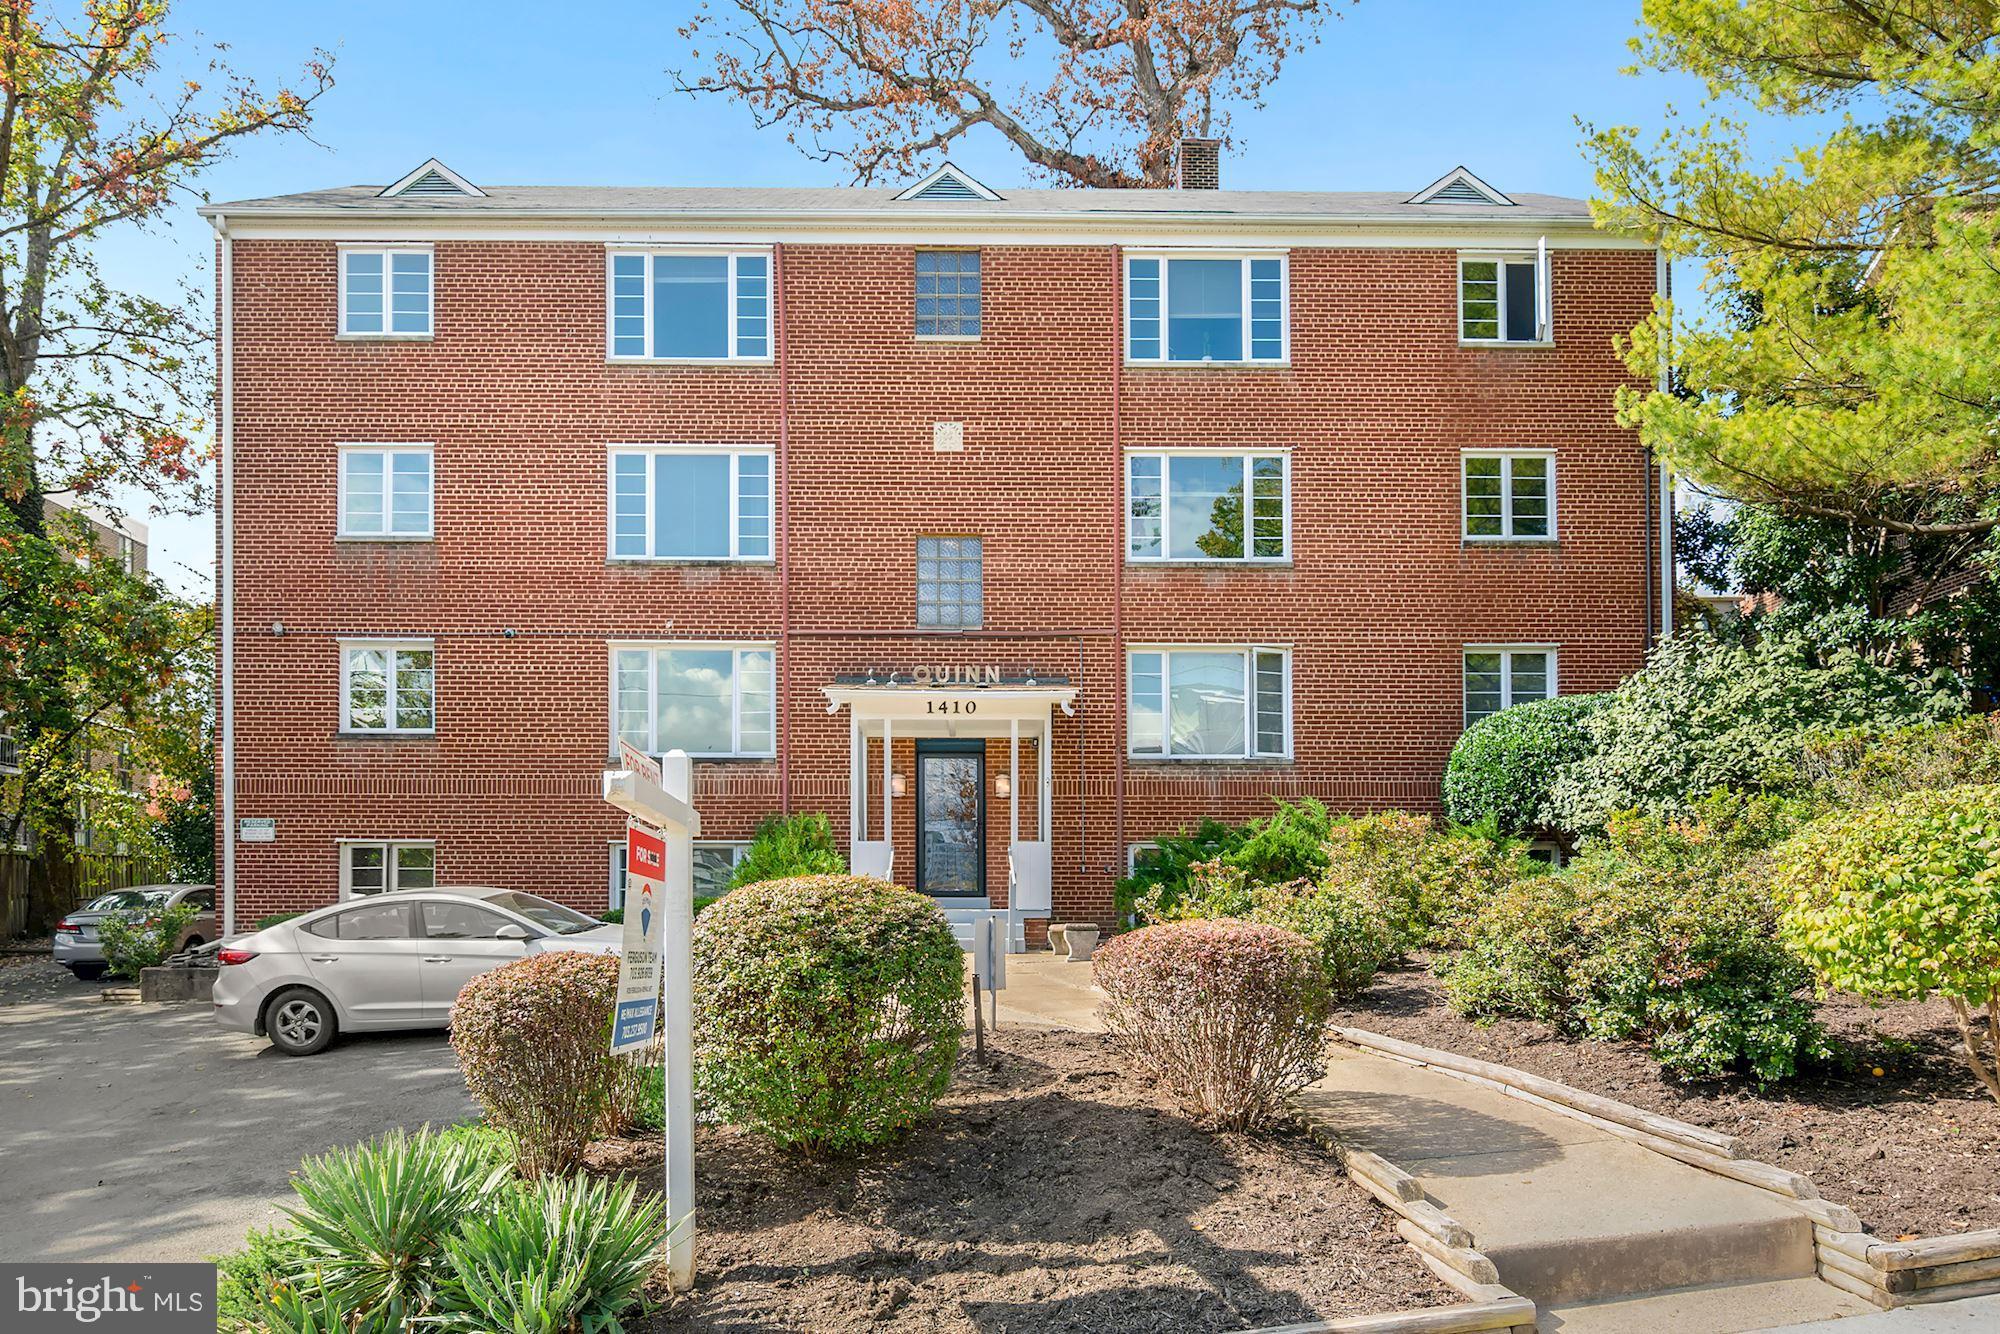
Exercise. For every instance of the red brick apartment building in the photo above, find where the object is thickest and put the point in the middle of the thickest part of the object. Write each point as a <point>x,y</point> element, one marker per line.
<point>1010,528</point>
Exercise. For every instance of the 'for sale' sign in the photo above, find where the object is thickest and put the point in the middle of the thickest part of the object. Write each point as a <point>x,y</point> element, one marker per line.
<point>637,1016</point>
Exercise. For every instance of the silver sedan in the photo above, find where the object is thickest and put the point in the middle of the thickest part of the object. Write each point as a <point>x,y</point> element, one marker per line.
<point>78,949</point>
<point>386,961</point>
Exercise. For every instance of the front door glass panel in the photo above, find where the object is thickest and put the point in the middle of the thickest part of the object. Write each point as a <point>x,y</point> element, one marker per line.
<point>951,829</point>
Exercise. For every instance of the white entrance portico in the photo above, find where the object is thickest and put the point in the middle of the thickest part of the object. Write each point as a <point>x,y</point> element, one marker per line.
<point>947,705</point>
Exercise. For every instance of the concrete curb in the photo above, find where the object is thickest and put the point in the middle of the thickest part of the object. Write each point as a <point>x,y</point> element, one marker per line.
<point>1442,1243</point>
<point>1884,1274</point>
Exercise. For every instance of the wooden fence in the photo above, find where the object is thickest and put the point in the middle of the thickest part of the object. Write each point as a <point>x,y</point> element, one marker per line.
<point>94,873</point>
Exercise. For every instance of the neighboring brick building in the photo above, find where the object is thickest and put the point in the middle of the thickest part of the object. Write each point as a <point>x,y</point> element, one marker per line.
<point>767,474</point>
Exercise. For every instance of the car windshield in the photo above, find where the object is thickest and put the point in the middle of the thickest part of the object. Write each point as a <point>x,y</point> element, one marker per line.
<point>553,916</point>
<point>127,898</point>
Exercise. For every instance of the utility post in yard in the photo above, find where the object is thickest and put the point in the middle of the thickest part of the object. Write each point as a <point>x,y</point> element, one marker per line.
<point>657,968</point>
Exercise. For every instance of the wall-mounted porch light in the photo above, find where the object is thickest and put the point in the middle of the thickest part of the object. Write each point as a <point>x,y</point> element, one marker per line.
<point>898,786</point>
<point>1003,786</point>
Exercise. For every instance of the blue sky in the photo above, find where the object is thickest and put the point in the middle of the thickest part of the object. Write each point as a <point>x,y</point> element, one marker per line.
<point>1396,93</point>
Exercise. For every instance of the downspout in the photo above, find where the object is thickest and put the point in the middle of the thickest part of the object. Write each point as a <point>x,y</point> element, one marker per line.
<point>226,565</point>
<point>1117,564</point>
<point>782,522</point>
<point>1663,283</point>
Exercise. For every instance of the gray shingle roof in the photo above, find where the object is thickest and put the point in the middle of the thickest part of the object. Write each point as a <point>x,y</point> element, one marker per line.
<point>564,201</point>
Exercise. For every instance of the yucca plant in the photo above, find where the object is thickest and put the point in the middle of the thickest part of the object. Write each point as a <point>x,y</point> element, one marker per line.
<point>288,1311</point>
<point>375,1218</point>
<point>555,1256</point>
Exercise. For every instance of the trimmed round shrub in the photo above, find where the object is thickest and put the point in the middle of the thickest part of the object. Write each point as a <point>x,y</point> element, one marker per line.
<point>533,1039</point>
<point>1901,902</point>
<point>1230,1017</point>
<point>829,1009</point>
<point>1504,766</point>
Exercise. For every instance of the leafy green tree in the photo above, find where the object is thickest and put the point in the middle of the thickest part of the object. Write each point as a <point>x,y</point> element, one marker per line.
<point>1869,372</point>
<point>101,389</point>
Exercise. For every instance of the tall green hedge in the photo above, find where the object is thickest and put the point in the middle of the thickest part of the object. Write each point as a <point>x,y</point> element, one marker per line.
<point>1504,767</point>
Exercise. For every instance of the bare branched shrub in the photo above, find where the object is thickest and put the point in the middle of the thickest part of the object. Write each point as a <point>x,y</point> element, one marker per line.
<point>1229,1016</point>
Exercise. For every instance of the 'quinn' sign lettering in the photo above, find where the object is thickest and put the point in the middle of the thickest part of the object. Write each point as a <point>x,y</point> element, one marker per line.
<point>955,676</point>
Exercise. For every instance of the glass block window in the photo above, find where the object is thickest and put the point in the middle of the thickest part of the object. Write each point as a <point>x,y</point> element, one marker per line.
<point>385,293</point>
<point>677,503</point>
<point>385,492</point>
<point>374,868</point>
<point>1498,678</point>
<point>705,699</point>
<point>1499,300</point>
<point>1510,493</point>
<point>1191,505</point>
<point>702,306</point>
<point>950,582</point>
<point>387,688</point>
<point>1208,703</point>
<point>1196,309</point>
<point>948,294</point>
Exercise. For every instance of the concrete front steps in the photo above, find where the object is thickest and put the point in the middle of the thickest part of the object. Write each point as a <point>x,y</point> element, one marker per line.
<point>1720,1308</point>
<point>1603,1234</point>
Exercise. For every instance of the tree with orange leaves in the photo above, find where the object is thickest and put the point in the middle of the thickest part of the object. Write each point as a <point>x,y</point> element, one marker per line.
<point>101,387</point>
<point>102,391</point>
<point>1092,92</point>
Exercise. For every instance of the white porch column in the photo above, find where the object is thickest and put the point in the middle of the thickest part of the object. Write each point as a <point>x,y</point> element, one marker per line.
<point>857,780</point>
<point>1043,796</point>
<point>1014,780</point>
<point>888,792</point>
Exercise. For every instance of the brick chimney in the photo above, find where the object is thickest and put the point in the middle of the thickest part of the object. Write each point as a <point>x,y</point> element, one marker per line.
<point>1199,165</point>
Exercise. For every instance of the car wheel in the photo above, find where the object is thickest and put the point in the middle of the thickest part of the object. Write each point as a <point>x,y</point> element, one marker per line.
<point>299,1021</point>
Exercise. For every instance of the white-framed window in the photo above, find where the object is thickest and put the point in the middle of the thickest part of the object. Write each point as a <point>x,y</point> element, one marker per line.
<point>714,862</point>
<point>374,866</point>
<point>385,291</point>
<point>688,305</point>
<point>385,492</point>
<point>948,294</point>
<point>690,502</point>
<point>951,583</point>
<point>1504,297</point>
<point>712,700</point>
<point>387,687</point>
<point>1138,855</point>
<point>1219,309</point>
<point>1498,676</point>
<point>1509,494</point>
<point>1209,703</point>
<point>1190,504</point>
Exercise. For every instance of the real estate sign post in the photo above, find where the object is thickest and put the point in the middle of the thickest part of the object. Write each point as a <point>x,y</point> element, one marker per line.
<point>660,796</point>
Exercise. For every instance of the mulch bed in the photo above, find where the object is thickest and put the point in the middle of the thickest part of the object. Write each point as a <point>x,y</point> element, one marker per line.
<point>1913,1149</point>
<point>1050,1192</point>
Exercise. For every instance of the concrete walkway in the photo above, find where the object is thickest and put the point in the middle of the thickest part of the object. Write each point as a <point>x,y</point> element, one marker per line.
<point>1604,1235</point>
<point>1045,990</point>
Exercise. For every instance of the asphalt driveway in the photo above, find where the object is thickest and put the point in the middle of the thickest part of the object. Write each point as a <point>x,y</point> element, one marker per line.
<point>147,1132</point>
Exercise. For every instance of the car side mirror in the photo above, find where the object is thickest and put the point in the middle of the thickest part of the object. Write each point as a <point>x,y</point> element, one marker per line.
<point>510,931</point>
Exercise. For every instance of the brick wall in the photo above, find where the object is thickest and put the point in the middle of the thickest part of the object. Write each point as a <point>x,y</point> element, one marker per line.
<point>515,395</point>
